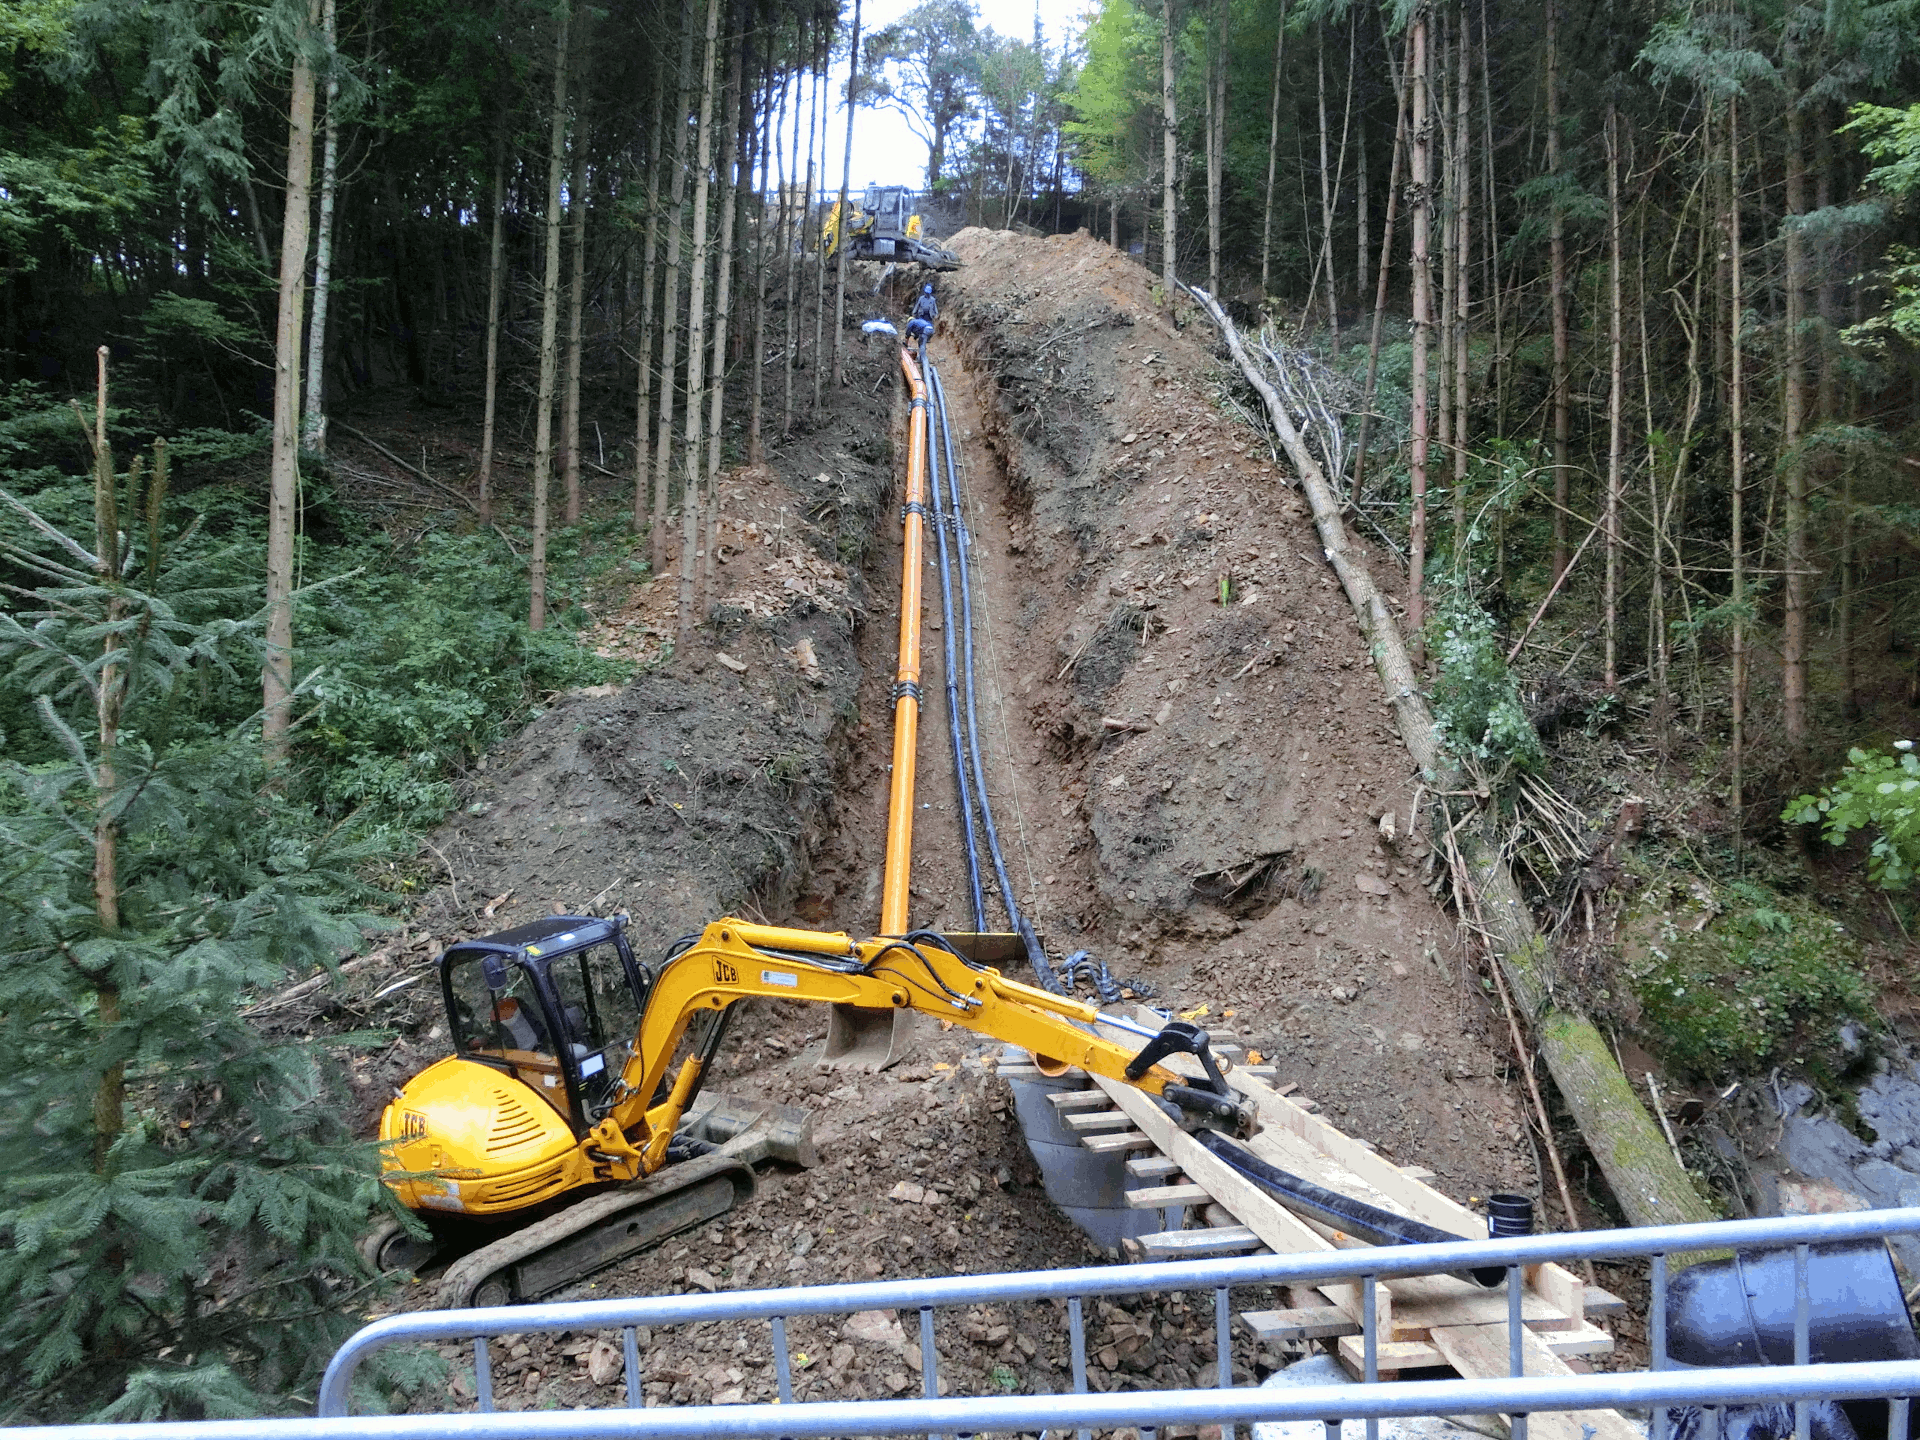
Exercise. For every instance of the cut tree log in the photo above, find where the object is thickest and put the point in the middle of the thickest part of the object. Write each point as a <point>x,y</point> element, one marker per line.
<point>1649,1185</point>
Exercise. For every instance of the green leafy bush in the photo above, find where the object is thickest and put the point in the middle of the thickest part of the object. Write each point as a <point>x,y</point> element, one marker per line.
<point>1875,791</point>
<point>1475,697</point>
<point>423,666</point>
<point>1759,986</point>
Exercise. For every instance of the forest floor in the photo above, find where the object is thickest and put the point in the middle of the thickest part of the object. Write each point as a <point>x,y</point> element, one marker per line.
<point>1190,758</point>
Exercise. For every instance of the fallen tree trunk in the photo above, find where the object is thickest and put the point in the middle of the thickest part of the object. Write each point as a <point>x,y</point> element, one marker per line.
<point>1647,1182</point>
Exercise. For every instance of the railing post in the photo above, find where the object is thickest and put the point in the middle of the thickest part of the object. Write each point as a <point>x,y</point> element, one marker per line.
<point>630,1358</point>
<point>1803,1335</point>
<point>1370,1342</point>
<point>1657,1336</point>
<point>1077,1333</point>
<point>482,1375</point>
<point>1516,1341</point>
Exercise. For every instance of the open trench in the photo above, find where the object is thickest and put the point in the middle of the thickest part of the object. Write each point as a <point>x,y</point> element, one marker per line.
<point>1094,566</point>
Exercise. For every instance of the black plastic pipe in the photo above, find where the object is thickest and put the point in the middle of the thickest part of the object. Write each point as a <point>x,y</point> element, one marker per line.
<point>1021,926</point>
<point>962,790</point>
<point>1341,1212</point>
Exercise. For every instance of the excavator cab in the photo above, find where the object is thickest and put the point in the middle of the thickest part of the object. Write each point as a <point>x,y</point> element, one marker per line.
<point>555,1004</point>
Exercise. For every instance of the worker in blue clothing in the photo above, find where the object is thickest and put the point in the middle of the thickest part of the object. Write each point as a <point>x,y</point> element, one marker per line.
<point>926,310</point>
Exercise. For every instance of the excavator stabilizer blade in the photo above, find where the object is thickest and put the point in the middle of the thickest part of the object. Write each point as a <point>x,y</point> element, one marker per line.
<point>753,1130</point>
<point>860,1038</point>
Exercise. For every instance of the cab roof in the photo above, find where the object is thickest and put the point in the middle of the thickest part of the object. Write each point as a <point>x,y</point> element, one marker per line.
<point>578,930</point>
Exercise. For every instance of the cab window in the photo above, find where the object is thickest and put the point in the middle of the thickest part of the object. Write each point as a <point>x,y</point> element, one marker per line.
<point>600,1014</point>
<point>497,1017</point>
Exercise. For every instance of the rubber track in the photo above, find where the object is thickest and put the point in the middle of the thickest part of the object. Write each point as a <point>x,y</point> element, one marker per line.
<point>466,1274</point>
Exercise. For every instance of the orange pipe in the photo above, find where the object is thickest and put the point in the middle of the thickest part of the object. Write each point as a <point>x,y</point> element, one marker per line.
<point>906,690</point>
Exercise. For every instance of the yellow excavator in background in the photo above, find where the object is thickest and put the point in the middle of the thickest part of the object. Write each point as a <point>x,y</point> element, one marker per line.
<point>565,1131</point>
<point>882,226</point>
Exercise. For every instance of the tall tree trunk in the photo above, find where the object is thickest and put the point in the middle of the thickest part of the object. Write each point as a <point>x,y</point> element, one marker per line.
<point>790,232</point>
<point>1361,258</point>
<point>1557,281</point>
<point>1793,630</point>
<point>1616,401</point>
<point>697,325</point>
<point>649,286</point>
<point>1380,280</point>
<point>577,200</point>
<point>819,229</point>
<point>1462,273</point>
<point>1169,152</point>
<point>314,436</point>
<point>1323,267</point>
<point>110,1091</point>
<point>1216,136</point>
<point>496,279</point>
<point>1273,149</point>
<point>1659,538</point>
<point>549,320</point>
<point>1491,229</point>
<point>769,149</point>
<point>846,179</point>
<point>1737,439</point>
<point>739,140</point>
<point>1422,324</point>
<point>276,674</point>
<point>670,297</point>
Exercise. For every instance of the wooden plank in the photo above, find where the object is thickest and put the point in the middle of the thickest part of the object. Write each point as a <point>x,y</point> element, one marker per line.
<point>1109,1144</point>
<point>1282,1230</point>
<point>1088,1099</point>
<point>1603,1302</point>
<point>1265,1072</point>
<point>1425,1301</point>
<point>1187,1244</point>
<point>1392,1356</point>
<point>1103,1120</point>
<point>1480,1352</point>
<point>1584,1340</point>
<point>1152,1167</point>
<point>1158,1197</point>
<point>1017,1072</point>
<point>1390,1186</point>
<point>1416,1172</point>
<point>1319,1322</point>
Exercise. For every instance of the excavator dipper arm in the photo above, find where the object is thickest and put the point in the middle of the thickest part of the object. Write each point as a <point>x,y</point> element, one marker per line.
<point>735,960</point>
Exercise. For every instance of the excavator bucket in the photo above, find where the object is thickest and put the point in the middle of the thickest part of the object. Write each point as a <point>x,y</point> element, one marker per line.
<point>859,1038</point>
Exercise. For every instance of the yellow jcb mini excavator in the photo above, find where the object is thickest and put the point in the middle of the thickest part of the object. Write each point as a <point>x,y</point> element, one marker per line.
<point>557,1121</point>
<point>565,1132</point>
<point>882,226</point>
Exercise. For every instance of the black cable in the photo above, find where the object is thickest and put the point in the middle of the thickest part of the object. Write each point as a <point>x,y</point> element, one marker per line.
<point>1036,955</point>
<point>962,794</point>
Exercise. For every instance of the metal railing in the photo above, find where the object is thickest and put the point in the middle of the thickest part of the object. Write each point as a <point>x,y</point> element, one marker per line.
<point>1516,1395</point>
